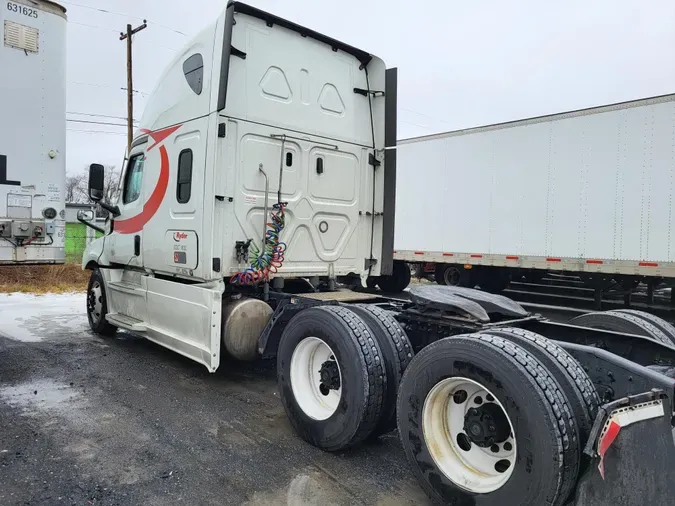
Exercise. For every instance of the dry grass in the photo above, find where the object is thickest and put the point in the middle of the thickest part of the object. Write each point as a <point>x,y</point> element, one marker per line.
<point>43,278</point>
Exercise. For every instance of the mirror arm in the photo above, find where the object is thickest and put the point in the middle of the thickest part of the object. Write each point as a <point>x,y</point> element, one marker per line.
<point>114,210</point>
<point>91,225</point>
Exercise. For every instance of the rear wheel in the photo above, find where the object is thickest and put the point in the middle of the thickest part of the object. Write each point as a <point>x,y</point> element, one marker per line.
<point>399,279</point>
<point>661,324</point>
<point>482,422</point>
<point>97,306</point>
<point>452,275</point>
<point>331,377</point>
<point>621,322</point>
<point>573,380</point>
<point>396,353</point>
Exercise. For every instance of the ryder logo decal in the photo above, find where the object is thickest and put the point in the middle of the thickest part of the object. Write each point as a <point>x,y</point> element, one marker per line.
<point>178,236</point>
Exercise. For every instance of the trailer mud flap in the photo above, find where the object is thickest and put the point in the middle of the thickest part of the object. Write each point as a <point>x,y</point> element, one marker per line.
<point>632,448</point>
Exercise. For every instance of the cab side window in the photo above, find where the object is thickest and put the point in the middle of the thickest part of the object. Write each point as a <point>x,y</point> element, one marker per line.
<point>193,68</point>
<point>133,179</point>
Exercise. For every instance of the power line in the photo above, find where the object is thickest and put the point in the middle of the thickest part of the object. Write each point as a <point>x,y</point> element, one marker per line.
<point>122,15</point>
<point>92,26</point>
<point>117,31</point>
<point>414,124</point>
<point>95,132</point>
<point>426,115</point>
<point>96,122</point>
<point>98,85</point>
<point>99,115</point>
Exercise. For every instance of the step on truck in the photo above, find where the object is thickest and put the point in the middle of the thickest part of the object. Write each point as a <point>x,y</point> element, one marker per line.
<point>32,132</point>
<point>260,187</point>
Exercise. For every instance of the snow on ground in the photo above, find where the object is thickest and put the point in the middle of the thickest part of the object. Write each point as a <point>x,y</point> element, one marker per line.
<point>26,317</point>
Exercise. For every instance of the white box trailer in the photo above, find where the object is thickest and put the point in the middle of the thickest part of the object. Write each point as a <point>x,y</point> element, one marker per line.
<point>588,191</point>
<point>32,132</point>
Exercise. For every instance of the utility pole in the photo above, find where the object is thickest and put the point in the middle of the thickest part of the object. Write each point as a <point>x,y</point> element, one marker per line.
<point>130,88</point>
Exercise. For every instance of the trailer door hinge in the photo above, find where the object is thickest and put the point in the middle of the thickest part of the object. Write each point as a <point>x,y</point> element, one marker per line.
<point>368,213</point>
<point>372,160</point>
<point>365,93</point>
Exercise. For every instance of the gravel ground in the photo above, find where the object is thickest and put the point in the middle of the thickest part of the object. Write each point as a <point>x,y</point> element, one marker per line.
<point>88,420</point>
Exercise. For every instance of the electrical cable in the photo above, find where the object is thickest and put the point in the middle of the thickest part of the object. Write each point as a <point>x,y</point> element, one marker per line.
<point>268,259</point>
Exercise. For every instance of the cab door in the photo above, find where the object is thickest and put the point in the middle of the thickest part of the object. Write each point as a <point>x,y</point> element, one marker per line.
<point>126,239</point>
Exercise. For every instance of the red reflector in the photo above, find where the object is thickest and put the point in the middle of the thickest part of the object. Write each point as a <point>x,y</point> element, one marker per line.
<point>594,262</point>
<point>419,252</point>
<point>476,256</point>
<point>648,264</point>
<point>553,260</point>
<point>511,257</point>
<point>448,254</point>
<point>605,443</point>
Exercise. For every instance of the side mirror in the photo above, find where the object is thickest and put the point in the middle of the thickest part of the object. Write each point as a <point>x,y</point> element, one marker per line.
<point>85,215</point>
<point>96,181</point>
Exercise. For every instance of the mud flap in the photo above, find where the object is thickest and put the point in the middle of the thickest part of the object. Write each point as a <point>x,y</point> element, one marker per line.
<point>632,450</point>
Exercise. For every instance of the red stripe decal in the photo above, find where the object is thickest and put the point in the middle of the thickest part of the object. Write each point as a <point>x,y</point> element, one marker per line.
<point>136,223</point>
<point>448,254</point>
<point>648,264</point>
<point>476,256</point>
<point>597,262</point>
<point>160,135</point>
<point>419,252</point>
<point>553,260</point>
<point>510,257</point>
<point>605,443</point>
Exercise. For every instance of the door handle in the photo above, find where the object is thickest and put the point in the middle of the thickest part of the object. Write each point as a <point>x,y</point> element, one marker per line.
<point>137,245</point>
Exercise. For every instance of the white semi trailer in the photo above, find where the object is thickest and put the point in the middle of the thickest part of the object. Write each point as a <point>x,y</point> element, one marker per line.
<point>32,132</point>
<point>588,192</point>
<point>260,174</point>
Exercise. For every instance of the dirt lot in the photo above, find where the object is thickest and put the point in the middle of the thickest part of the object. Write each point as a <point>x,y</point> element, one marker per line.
<point>86,420</point>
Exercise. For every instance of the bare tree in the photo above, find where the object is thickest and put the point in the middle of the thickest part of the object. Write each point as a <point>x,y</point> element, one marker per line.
<point>74,189</point>
<point>77,187</point>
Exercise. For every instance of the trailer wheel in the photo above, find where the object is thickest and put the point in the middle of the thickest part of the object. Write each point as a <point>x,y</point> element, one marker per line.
<point>573,380</point>
<point>665,327</point>
<point>97,306</point>
<point>331,377</point>
<point>452,275</point>
<point>399,279</point>
<point>483,422</point>
<point>397,353</point>
<point>621,322</point>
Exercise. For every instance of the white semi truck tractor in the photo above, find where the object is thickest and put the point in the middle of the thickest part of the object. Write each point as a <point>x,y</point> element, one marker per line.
<point>32,132</point>
<point>260,184</point>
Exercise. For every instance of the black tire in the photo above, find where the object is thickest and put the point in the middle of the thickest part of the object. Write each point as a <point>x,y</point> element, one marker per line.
<point>621,322</point>
<point>363,378</point>
<point>96,315</point>
<point>396,354</point>
<point>574,382</point>
<point>661,324</point>
<point>371,282</point>
<point>546,434</point>
<point>452,275</point>
<point>399,279</point>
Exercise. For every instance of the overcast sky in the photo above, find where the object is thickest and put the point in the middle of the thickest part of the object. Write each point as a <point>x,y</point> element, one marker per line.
<point>461,63</point>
